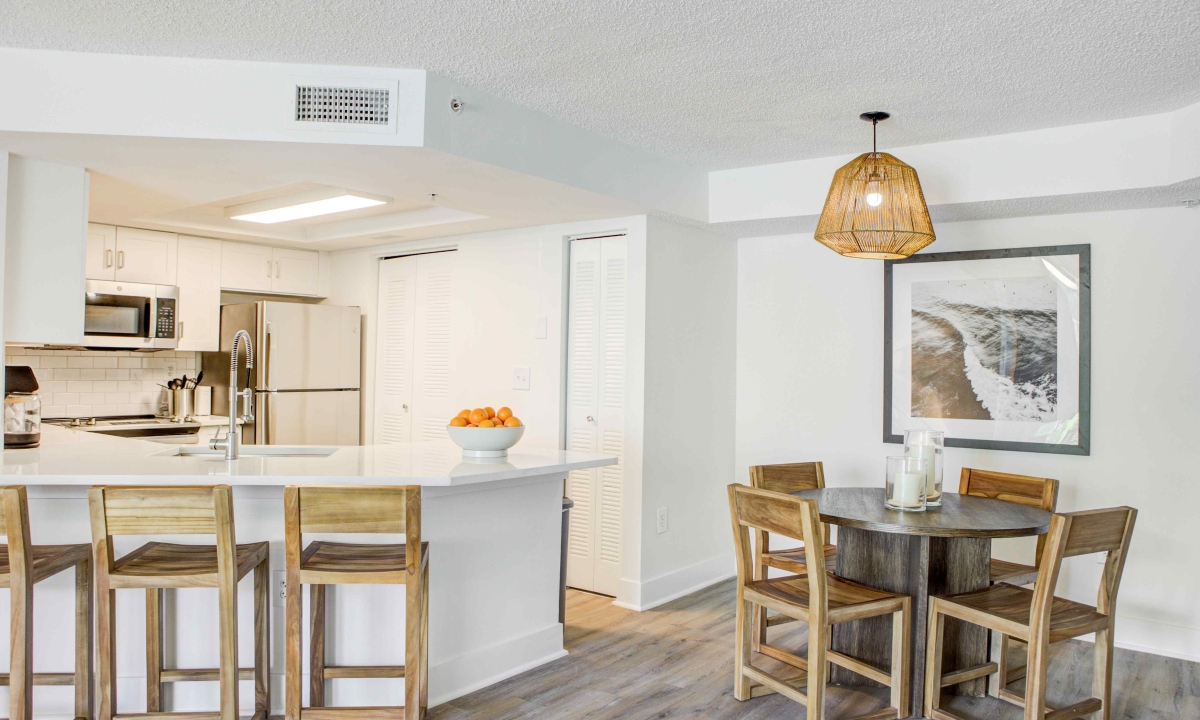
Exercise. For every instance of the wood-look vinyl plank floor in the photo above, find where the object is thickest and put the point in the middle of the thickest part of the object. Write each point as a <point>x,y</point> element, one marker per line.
<point>676,662</point>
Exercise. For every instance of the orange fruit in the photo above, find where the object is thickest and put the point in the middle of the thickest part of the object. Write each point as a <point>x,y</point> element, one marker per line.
<point>458,422</point>
<point>491,413</point>
<point>486,423</point>
<point>465,414</point>
<point>504,413</point>
<point>512,421</point>
<point>477,415</point>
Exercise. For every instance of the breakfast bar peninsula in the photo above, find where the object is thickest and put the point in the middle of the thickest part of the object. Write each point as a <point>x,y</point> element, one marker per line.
<point>493,529</point>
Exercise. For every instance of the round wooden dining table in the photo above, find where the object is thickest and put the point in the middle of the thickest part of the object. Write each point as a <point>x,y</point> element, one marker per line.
<point>942,551</point>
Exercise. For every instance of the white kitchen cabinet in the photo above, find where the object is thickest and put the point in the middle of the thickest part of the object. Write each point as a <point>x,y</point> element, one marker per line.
<point>296,272</point>
<point>246,267</point>
<point>101,252</point>
<point>146,256</point>
<point>199,280</point>
<point>596,410</point>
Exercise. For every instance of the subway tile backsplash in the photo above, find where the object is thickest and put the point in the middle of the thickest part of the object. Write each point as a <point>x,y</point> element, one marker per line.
<point>92,383</point>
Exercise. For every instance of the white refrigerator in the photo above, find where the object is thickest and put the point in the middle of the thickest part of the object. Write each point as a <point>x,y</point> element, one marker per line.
<point>306,372</point>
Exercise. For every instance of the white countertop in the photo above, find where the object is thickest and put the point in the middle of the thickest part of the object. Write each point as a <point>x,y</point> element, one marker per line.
<point>69,457</point>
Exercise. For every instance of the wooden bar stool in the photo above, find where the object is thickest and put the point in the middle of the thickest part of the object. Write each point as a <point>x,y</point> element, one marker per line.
<point>786,478</point>
<point>1035,492</point>
<point>21,567</point>
<point>1039,618</point>
<point>819,598</point>
<point>346,509</point>
<point>204,510</point>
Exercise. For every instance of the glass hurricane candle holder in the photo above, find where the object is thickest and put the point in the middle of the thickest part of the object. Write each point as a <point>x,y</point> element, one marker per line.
<point>930,445</point>
<point>906,480</point>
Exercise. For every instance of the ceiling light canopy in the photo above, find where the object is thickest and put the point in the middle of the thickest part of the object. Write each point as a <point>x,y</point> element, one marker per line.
<point>312,203</point>
<point>875,208</point>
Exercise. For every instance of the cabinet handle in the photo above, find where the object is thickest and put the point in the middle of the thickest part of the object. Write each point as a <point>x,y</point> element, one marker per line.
<point>180,331</point>
<point>120,259</point>
<point>276,268</point>
<point>108,258</point>
<point>268,268</point>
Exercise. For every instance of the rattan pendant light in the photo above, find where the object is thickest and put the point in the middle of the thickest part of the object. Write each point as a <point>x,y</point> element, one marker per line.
<point>875,208</point>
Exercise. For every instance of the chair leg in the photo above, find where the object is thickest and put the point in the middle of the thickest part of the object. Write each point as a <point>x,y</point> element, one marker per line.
<point>262,640</point>
<point>316,646</point>
<point>933,659</point>
<point>293,630</point>
<point>1035,679</point>
<point>818,644</point>
<point>741,654</point>
<point>901,662</point>
<point>84,641</point>
<point>106,649</point>
<point>999,655</point>
<point>154,649</point>
<point>20,678</point>
<point>759,638</point>
<point>1102,672</point>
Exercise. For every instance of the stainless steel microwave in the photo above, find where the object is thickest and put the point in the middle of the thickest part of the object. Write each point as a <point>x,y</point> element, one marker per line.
<point>130,315</point>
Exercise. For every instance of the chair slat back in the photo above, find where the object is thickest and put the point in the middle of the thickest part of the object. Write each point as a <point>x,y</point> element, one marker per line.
<point>1023,489</point>
<point>793,517</point>
<point>788,478</point>
<point>1094,531</point>
<point>355,509</point>
<point>159,510</point>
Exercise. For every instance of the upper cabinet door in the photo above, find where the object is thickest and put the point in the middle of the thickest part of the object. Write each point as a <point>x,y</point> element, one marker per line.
<point>101,252</point>
<point>295,272</point>
<point>146,256</point>
<point>199,313</point>
<point>246,267</point>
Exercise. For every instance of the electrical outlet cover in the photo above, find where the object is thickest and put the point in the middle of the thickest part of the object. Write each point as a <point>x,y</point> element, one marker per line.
<point>520,378</point>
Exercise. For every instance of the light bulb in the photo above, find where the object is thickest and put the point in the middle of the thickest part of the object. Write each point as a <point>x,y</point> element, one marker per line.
<point>874,191</point>
<point>874,199</point>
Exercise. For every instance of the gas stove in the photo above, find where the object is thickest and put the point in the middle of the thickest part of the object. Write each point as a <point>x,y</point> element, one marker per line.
<point>129,425</point>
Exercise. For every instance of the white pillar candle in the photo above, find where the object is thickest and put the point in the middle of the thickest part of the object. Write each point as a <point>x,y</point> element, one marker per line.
<point>906,491</point>
<point>929,454</point>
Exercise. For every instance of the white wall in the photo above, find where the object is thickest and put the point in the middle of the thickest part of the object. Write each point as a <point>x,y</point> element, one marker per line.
<point>810,387</point>
<point>690,323</point>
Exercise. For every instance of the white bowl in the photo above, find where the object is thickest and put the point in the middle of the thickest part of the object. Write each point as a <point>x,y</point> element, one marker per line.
<point>485,442</point>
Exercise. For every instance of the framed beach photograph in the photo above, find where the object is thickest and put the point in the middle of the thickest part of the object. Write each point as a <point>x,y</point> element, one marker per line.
<point>993,347</point>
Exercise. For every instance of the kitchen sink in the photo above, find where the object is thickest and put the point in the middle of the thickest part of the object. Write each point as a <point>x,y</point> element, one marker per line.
<point>282,451</point>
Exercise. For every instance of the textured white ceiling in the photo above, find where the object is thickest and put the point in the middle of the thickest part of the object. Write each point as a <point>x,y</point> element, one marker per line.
<point>717,84</point>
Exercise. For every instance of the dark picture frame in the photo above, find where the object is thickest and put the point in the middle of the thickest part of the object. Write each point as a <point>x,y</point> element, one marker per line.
<point>1084,253</point>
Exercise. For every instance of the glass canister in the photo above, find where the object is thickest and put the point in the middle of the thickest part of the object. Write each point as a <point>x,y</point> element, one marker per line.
<point>905,489</point>
<point>930,445</point>
<point>22,408</point>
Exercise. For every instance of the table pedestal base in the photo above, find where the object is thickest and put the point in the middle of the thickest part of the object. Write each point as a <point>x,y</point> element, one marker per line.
<point>917,566</point>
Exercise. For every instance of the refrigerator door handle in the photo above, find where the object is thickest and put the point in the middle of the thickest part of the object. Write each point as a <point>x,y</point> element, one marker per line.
<point>266,360</point>
<point>267,416</point>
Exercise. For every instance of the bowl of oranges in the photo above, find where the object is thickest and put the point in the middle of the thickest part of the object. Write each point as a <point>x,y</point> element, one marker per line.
<point>484,432</point>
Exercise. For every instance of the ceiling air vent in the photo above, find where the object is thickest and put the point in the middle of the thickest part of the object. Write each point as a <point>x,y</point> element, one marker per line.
<point>357,105</point>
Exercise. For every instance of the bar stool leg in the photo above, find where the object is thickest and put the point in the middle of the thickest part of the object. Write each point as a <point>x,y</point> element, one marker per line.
<point>316,647</point>
<point>425,637</point>
<point>227,669</point>
<point>154,649</point>
<point>292,622</point>
<point>84,641</point>
<point>262,640</point>
<point>20,677</point>
<point>106,649</point>
<point>412,647</point>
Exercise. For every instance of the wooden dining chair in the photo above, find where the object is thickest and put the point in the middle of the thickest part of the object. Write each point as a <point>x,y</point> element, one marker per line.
<point>783,478</point>
<point>357,510</point>
<point>178,510</point>
<point>22,566</point>
<point>1025,490</point>
<point>818,598</point>
<point>1039,618</point>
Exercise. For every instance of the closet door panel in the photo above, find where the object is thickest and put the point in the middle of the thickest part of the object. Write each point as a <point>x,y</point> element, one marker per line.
<point>432,399</point>
<point>395,339</point>
<point>610,413</point>
<point>582,386</point>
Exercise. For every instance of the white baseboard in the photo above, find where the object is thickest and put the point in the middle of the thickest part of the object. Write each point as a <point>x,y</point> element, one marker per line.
<point>632,595</point>
<point>1157,638</point>
<point>464,674</point>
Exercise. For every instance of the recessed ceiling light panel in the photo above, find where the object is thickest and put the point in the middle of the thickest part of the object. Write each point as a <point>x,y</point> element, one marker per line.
<point>312,203</point>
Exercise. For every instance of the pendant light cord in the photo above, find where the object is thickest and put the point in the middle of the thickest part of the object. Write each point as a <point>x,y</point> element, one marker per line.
<point>874,124</point>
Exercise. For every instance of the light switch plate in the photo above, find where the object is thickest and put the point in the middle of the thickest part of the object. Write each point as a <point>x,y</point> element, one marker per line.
<point>541,328</point>
<point>662,521</point>
<point>520,378</point>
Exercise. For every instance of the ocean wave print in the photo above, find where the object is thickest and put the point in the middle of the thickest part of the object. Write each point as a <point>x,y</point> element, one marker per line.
<point>985,350</point>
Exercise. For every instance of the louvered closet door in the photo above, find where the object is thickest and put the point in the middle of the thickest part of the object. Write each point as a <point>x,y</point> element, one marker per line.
<point>395,336</point>
<point>596,410</point>
<point>412,366</point>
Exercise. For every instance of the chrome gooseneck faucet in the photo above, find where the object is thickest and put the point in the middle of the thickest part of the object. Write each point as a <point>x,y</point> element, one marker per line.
<point>232,442</point>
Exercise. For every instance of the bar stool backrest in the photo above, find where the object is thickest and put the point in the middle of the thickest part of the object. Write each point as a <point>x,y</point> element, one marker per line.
<point>792,517</point>
<point>141,510</point>
<point>1032,491</point>
<point>356,509</point>
<point>789,478</point>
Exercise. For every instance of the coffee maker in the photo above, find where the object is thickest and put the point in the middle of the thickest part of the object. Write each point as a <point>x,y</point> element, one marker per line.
<point>22,408</point>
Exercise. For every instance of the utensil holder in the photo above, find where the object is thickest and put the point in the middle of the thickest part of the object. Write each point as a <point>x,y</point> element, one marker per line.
<point>181,404</point>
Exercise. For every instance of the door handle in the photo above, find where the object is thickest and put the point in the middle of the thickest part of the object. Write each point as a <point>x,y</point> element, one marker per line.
<point>276,268</point>
<point>120,259</point>
<point>589,419</point>
<point>108,258</point>
<point>405,406</point>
